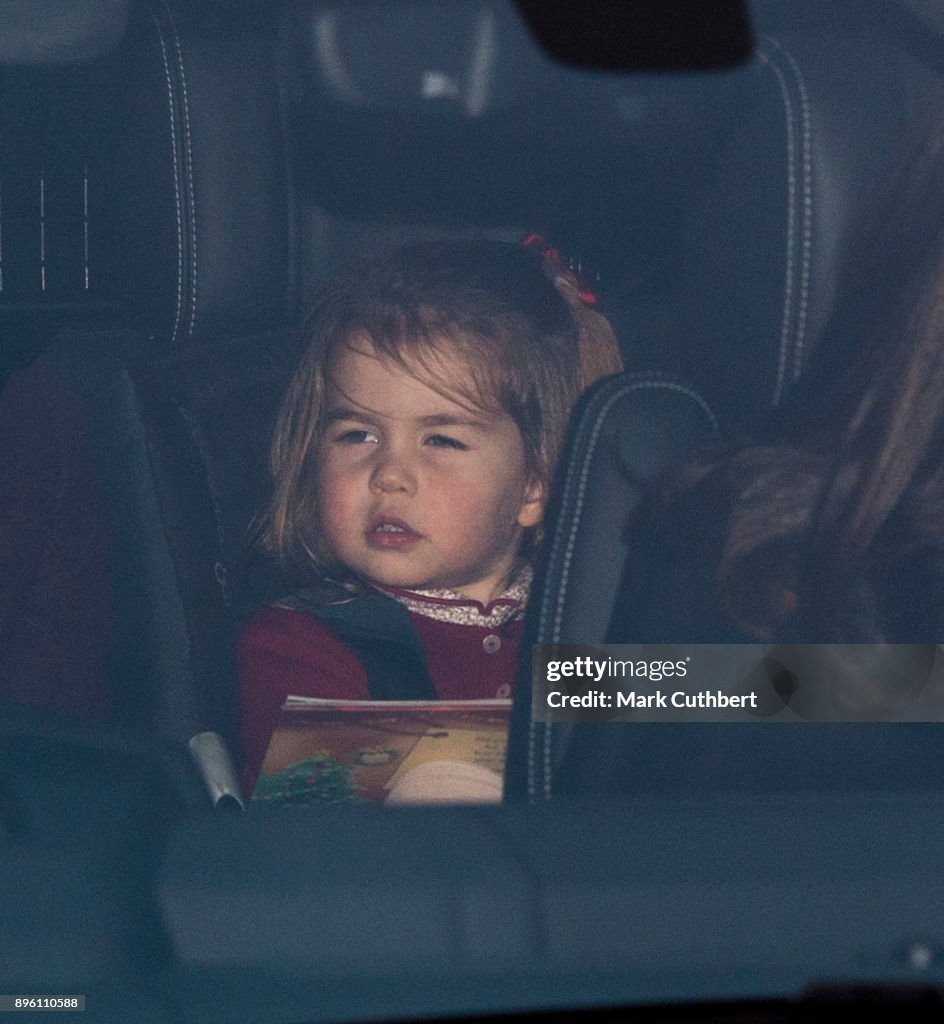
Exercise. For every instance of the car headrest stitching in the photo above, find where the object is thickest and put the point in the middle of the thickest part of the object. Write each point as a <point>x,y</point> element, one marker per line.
<point>798,251</point>
<point>220,570</point>
<point>574,506</point>
<point>188,152</point>
<point>178,316</point>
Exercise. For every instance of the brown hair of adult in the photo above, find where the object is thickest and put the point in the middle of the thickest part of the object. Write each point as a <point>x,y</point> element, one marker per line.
<point>492,302</point>
<point>847,486</point>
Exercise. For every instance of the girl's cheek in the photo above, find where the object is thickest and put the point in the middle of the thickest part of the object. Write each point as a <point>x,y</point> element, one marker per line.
<point>337,463</point>
<point>330,486</point>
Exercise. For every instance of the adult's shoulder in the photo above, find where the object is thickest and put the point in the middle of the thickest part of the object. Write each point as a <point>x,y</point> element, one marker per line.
<point>674,544</point>
<point>37,397</point>
<point>681,522</point>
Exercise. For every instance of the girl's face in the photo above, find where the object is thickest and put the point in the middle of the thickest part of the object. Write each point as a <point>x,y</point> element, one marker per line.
<point>415,490</point>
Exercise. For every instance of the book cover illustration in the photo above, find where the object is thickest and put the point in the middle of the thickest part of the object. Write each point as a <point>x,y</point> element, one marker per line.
<point>332,751</point>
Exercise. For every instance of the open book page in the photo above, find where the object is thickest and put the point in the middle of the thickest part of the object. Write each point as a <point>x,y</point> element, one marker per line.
<point>334,751</point>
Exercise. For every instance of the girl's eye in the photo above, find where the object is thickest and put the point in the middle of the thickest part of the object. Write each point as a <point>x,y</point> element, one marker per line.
<point>442,441</point>
<point>356,437</point>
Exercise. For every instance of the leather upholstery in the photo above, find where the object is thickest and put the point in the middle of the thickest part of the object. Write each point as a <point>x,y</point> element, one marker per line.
<point>625,431</point>
<point>204,216</point>
<point>819,119</point>
<point>180,408</point>
<point>763,253</point>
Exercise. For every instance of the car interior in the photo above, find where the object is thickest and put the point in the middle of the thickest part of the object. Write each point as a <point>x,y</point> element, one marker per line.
<point>178,179</point>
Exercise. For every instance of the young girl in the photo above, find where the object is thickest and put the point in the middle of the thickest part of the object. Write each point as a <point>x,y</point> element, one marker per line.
<point>411,462</point>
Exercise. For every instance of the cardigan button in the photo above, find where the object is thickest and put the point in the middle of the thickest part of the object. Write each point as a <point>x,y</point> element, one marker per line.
<point>491,643</point>
<point>503,691</point>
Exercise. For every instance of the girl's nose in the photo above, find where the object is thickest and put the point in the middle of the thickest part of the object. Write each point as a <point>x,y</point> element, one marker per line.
<point>392,473</point>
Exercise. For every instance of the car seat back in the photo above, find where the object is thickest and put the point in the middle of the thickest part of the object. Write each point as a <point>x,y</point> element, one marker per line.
<point>200,213</point>
<point>821,113</point>
<point>820,116</point>
<point>625,432</point>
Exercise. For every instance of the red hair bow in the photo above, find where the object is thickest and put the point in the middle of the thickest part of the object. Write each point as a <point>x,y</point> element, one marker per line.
<point>553,259</point>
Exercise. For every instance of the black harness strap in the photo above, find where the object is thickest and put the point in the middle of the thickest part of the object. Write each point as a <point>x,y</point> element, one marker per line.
<point>378,630</point>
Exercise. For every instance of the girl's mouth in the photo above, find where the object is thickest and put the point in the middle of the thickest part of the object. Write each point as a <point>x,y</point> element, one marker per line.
<point>391,534</point>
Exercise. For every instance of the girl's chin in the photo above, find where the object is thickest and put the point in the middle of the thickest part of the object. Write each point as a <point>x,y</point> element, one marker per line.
<point>386,569</point>
<point>480,595</point>
<point>404,582</point>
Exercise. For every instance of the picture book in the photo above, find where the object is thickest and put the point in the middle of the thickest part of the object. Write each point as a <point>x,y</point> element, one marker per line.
<point>333,751</point>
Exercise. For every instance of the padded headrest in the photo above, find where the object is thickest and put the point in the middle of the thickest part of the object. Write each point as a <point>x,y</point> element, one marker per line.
<point>450,58</point>
<point>821,115</point>
<point>202,182</point>
<point>59,31</point>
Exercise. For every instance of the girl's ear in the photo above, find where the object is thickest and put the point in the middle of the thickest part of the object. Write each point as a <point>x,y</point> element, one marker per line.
<point>532,509</point>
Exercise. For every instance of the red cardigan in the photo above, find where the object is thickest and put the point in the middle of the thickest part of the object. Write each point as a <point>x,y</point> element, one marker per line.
<point>55,591</point>
<point>285,652</point>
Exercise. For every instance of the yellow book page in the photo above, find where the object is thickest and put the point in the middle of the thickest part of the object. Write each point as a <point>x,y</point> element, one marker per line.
<point>484,747</point>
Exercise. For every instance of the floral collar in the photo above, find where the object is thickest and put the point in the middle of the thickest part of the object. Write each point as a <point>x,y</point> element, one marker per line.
<point>450,606</point>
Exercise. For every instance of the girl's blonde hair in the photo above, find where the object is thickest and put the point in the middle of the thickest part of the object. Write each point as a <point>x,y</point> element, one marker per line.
<point>516,324</point>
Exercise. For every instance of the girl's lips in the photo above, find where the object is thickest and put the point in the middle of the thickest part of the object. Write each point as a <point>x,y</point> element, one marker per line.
<point>391,534</point>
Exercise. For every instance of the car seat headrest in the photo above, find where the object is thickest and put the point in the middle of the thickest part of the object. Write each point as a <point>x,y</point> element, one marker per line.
<point>820,118</point>
<point>44,32</point>
<point>202,194</point>
<point>449,60</point>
